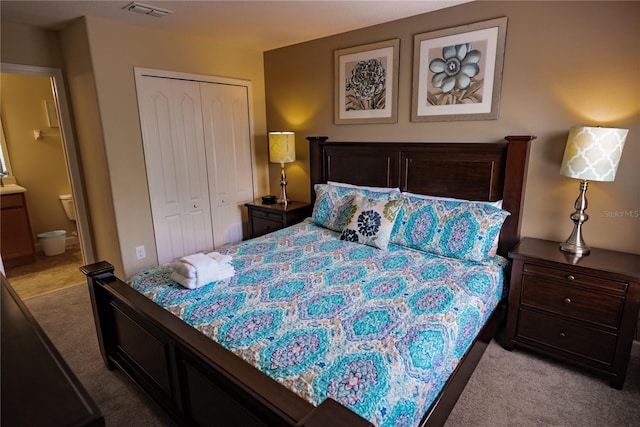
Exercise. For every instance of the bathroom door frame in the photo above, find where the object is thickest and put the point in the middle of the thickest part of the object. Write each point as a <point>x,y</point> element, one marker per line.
<point>69,148</point>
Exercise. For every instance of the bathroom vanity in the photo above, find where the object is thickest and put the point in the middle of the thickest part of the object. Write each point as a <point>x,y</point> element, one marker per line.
<point>16,240</point>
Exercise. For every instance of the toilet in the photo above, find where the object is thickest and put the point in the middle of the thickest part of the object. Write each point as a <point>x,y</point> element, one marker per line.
<point>67,204</point>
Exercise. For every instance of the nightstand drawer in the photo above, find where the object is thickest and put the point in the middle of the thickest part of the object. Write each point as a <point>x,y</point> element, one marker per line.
<point>263,226</point>
<point>580,309</point>
<point>274,216</point>
<point>264,219</point>
<point>578,303</point>
<point>571,278</point>
<point>567,336</point>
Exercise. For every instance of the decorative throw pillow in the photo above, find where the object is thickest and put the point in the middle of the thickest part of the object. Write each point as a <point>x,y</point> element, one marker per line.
<point>497,204</point>
<point>456,229</point>
<point>370,221</point>
<point>333,203</point>
<point>330,209</point>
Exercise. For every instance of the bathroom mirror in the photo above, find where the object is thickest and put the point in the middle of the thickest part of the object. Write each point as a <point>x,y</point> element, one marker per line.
<point>5,165</point>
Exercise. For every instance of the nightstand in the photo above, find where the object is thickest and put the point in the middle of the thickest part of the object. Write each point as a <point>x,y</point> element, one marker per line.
<point>581,310</point>
<point>264,219</point>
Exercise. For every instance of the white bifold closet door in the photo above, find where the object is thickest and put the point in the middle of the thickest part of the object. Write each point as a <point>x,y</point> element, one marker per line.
<point>197,150</point>
<point>225,112</point>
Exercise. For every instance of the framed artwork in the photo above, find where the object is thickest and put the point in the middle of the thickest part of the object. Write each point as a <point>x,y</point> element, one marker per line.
<point>457,72</point>
<point>366,83</point>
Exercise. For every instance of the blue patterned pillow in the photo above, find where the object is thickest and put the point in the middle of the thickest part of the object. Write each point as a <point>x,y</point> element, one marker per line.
<point>456,229</point>
<point>370,221</point>
<point>333,203</point>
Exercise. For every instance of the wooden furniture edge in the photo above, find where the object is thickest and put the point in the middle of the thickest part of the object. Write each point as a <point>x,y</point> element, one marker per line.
<point>279,404</point>
<point>28,386</point>
<point>107,292</point>
<point>515,170</point>
<point>624,271</point>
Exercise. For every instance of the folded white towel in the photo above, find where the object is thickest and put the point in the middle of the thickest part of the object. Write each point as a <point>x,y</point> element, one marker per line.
<point>192,283</point>
<point>222,259</point>
<point>184,269</point>
<point>189,270</point>
<point>194,271</point>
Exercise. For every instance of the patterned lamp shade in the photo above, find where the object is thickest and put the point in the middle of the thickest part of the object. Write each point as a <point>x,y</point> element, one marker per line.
<point>593,153</point>
<point>282,147</point>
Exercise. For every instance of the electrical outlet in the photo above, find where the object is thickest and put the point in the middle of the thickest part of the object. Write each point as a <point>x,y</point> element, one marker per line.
<point>140,253</point>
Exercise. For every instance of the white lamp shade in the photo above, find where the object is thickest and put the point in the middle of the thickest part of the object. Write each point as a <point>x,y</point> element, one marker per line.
<point>282,147</point>
<point>593,153</point>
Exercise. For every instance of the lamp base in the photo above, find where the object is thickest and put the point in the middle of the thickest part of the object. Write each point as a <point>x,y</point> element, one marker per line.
<point>575,243</point>
<point>575,248</point>
<point>283,200</point>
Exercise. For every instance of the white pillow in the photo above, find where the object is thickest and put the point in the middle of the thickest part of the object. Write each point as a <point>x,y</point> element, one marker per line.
<point>497,204</point>
<point>362,187</point>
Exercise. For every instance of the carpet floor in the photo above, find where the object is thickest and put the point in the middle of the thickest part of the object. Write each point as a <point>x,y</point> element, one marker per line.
<point>507,389</point>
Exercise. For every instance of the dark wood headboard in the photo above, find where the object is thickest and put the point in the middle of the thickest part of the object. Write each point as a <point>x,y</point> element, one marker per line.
<point>472,171</point>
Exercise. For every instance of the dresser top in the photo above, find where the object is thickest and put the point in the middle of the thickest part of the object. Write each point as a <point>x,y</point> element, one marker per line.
<point>291,206</point>
<point>598,259</point>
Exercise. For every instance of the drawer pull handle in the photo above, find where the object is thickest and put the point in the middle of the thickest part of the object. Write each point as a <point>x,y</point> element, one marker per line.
<point>562,334</point>
<point>567,300</point>
<point>571,277</point>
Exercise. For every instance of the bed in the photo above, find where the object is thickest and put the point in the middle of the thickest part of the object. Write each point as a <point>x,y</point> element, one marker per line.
<point>199,381</point>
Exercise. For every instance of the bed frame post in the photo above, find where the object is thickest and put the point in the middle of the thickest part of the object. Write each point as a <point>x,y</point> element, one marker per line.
<point>100,271</point>
<point>316,162</point>
<point>513,193</point>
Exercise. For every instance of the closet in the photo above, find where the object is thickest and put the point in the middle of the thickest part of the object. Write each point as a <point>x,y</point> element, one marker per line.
<point>197,149</point>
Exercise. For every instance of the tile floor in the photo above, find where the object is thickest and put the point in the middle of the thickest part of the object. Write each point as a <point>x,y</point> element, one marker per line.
<point>47,273</point>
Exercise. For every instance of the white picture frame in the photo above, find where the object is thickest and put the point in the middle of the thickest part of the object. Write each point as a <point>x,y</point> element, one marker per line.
<point>369,95</point>
<point>457,72</point>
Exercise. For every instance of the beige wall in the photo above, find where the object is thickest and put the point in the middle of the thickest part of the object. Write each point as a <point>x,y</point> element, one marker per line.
<point>21,44</point>
<point>566,64</point>
<point>38,165</point>
<point>81,85</point>
<point>100,58</point>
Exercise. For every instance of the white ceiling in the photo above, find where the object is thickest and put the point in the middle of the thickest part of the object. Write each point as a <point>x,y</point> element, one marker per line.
<point>261,25</point>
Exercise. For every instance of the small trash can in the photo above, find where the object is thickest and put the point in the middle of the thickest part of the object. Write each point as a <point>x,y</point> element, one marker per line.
<point>53,242</point>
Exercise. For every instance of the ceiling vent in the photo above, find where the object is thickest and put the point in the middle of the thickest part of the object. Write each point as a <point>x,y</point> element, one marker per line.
<point>145,9</point>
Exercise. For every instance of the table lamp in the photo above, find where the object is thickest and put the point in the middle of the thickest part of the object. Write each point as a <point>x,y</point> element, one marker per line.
<point>591,154</point>
<point>282,149</point>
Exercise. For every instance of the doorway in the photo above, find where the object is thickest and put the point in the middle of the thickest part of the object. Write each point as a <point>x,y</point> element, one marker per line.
<point>53,272</point>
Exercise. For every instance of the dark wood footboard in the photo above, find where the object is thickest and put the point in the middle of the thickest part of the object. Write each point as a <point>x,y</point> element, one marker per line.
<point>192,378</point>
<point>198,382</point>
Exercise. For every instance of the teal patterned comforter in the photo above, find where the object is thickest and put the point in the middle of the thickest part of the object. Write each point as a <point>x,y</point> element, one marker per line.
<point>378,331</point>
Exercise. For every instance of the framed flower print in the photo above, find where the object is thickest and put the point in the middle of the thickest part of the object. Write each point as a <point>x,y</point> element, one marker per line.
<point>366,83</point>
<point>457,72</point>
